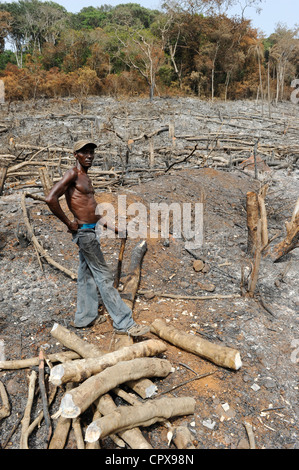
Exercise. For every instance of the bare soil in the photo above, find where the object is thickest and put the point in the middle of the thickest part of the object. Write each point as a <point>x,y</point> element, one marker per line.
<point>264,391</point>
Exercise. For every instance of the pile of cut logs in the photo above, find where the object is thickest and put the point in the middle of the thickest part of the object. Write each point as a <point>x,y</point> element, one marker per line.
<point>88,374</point>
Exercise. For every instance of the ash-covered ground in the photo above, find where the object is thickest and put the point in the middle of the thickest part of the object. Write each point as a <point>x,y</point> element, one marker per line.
<point>33,296</point>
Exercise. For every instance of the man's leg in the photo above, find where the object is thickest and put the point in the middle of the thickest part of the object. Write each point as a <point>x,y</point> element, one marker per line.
<point>87,295</point>
<point>119,312</point>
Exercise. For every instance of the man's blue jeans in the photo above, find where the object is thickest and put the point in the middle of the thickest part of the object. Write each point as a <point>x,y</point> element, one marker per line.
<point>93,274</point>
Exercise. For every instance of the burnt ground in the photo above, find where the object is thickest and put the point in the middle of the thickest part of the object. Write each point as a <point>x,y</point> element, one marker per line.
<point>264,391</point>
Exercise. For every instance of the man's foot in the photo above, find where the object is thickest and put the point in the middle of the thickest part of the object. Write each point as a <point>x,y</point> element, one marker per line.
<point>135,330</point>
<point>97,321</point>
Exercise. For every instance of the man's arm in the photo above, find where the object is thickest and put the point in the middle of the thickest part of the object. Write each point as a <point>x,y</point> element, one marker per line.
<point>56,192</point>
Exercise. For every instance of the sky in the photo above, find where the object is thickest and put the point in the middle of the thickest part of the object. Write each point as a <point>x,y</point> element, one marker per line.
<point>273,11</point>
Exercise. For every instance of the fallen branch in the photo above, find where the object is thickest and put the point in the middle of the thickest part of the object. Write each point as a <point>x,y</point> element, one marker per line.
<point>34,361</point>
<point>78,400</point>
<point>139,415</point>
<point>220,355</point>
<point>76,371</point>
<point>289,243</point>
<point>37,245</point>
<point>190,297</point>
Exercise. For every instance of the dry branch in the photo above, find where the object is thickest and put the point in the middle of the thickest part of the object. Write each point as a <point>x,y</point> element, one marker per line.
<point>218,354</point>
<point>289,243</point>
<point>43,392</point>
<point>78,400</point>
<point>139,415</point>
<point>37,245</point>
<point>34,361</point>
<point>76,371</point>
<point>26,418</point>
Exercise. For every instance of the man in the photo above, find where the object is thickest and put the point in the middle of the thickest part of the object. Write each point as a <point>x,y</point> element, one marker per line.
<point>93,271</point>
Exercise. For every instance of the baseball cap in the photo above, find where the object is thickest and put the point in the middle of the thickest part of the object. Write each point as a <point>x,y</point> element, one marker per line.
<point>81,143</point>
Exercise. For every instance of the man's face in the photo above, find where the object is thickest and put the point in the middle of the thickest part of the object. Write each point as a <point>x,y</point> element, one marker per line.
<point>85,156</point>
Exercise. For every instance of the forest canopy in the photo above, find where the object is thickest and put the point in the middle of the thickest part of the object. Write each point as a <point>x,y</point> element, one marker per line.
<point>186,48</point>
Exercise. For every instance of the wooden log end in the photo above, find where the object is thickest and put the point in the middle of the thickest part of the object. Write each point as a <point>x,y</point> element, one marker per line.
<point>56,374</point>
<point>93,432</point>
<point>68,409</point>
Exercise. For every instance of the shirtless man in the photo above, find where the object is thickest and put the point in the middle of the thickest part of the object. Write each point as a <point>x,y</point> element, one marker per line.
<point>93,273</point>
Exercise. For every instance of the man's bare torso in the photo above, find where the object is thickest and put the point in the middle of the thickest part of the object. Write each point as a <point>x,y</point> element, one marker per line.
<point>80,199</point>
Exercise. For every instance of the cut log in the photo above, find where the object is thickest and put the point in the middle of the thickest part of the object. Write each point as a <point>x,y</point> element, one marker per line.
<point>76,371</point>
<point>139,415</point>
<point>145,388</point>
<point>60,435</point>
<point>133,437</point>
<point>218,354</point>
<point>78,400</point>
<point>73,342</point>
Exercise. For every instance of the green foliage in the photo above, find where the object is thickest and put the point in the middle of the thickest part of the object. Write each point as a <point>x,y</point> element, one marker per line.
<point>7,57</point>
<point>136,48</point>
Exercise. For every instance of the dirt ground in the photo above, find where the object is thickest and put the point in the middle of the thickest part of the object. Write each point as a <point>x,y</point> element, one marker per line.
<point>264,391</point>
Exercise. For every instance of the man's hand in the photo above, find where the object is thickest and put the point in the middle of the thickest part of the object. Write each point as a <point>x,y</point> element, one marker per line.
<point>73,226</point>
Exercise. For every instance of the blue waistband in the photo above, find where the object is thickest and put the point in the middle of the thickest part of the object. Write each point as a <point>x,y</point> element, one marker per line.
<point>87,225</point>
